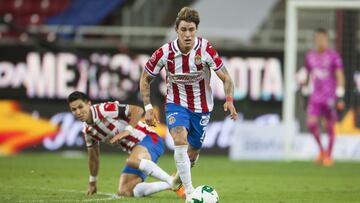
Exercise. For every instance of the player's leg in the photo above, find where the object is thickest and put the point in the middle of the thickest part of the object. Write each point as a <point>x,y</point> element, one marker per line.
<point>330,120</point>
<point>146,189</point>
<point>142,162</point>
<point>133,185</point>
<point>197,132</point>
<point>312,121</point>
<point>127,182</point>
<point>193,155</point>
<point>196,136</point>
<point>177,185</point>
<point>143,157</point>
<point>177,119</point>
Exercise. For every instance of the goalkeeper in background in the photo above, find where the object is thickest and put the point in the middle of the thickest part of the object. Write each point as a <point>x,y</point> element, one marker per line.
<point>325,68</point>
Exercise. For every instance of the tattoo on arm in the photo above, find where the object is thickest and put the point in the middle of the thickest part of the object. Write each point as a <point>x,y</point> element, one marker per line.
<point>228,83</point>
<point>145,81</point>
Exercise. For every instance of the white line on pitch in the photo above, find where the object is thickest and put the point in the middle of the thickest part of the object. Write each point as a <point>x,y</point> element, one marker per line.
<point>110,196</point>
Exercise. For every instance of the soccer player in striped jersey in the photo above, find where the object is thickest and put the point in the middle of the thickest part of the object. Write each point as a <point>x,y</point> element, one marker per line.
<point>118,125</point>
<point>188,62</point>
<point>326,69</point>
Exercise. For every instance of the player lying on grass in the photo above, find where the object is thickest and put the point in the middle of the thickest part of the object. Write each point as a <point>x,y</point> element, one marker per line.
<point>118,125</point>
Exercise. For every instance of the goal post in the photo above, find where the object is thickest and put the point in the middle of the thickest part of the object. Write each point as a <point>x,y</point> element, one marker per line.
<point>290,59</point>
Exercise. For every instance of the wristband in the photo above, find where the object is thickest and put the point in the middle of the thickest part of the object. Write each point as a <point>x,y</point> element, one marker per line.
<point>148,107</point>
<point>130,129</point>
<point>92,179</point>
<point>340,92</point>
<point>229,99</point>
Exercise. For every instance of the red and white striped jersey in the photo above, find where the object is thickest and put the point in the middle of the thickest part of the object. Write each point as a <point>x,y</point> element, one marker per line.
<point>111,118</point>
<point>187,76</point>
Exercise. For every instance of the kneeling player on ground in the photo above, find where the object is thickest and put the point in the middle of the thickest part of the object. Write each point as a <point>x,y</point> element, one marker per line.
<point>118,125</point>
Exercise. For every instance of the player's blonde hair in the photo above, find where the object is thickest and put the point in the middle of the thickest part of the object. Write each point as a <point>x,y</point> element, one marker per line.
<point>189,15</point>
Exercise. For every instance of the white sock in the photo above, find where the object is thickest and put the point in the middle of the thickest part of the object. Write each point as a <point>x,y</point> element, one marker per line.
<point>183,167</point>
<point>145,189</point>
<point>152,169</point>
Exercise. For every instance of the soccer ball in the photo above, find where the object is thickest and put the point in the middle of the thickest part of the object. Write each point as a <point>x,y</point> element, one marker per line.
<point>204,194</point>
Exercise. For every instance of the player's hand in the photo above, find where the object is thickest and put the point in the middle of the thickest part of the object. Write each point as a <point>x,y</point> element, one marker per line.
<point>119,136</point>
<point>92,188</point>
<point>150,118</point>
<point>305,90</point>
<point>340,105</point>
<point>230,106</point>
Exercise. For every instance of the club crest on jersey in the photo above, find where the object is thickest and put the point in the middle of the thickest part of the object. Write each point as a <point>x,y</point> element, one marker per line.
<point>204,120</point>
<point>171,120</point>
<point>198,59</point>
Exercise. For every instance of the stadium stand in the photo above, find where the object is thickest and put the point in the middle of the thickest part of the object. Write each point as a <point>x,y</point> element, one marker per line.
<point>133,23</point>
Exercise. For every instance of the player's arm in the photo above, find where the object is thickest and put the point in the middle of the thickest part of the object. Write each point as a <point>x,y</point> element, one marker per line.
<point>93,161</point>
<point>340,88</point>
<point>145,82</point>
<point>303,81</point>
<point>303,78</point>
<point>133,115</point>
<point>229,92</point>
<point>340,79</point>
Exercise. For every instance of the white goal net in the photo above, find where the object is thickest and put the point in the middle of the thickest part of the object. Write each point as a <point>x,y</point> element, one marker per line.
<point>341,19</point>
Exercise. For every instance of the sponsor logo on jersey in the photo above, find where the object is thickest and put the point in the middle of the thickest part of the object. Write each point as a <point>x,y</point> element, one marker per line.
<point>204,120</point>
<point>320,73</point>
<point>188,78</point>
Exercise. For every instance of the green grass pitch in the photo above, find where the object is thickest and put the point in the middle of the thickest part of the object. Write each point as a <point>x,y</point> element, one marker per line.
<point>36,177</point>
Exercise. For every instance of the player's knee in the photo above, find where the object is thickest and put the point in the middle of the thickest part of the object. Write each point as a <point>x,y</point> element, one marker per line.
<point>311,123</point>
<point>180,141</point>
<point>134,163</point>
<point>125,192</point>
<point>179,135</point>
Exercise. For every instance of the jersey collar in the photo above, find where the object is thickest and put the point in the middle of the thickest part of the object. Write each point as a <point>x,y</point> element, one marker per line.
<point>176,48</point>
<point>94,115</point>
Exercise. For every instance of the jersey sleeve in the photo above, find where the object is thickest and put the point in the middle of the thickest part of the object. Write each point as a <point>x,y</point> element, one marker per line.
<point>123,111</point>
<point>156,62</point>
<point>89,141</point>
<point>213,59</point>
<point>113,110</point>
<point>338,61</point>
